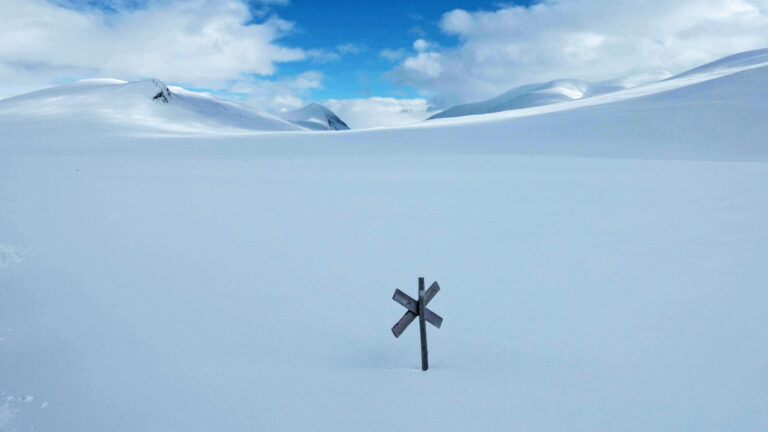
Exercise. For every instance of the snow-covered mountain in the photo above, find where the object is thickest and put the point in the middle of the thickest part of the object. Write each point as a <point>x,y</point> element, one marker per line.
<point>568,90</point>
<point>526,96</point>
<point>552,92</point>
<point>147,105</point>
<point>316,117</point>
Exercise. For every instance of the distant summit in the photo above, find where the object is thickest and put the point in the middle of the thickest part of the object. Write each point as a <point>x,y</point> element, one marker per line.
<point>163,95</point>
<point>552,92</point>
<point>316,117</point>
<point>526,96</point>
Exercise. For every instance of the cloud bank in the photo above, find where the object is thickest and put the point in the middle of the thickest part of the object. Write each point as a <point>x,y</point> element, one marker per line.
<point>197,43</point>
<point>379,111</point>
<point>587,39</point>
<point>281,94</point>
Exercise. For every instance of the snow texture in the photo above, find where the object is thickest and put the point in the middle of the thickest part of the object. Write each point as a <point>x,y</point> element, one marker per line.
<point>602,264</point>
<point>10,255</point>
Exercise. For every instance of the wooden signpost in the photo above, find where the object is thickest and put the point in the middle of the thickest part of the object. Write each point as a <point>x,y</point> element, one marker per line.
<point>418,308</point>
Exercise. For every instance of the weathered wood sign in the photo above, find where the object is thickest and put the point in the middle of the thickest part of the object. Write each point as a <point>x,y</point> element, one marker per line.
<point>418,308</point>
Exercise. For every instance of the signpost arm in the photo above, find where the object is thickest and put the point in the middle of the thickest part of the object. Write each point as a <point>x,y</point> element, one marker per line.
<point>423,326</point>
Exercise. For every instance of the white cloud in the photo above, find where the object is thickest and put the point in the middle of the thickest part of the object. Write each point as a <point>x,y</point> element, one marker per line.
<point>379,111</point>
<point>425,65</point>
<point>589,39</point>
<point>279,95</point>
<point>199,43</point>
<point>326,56</point>
<point>350,48</point>
<point>322,56</point>
<point>393,54</point>
<point>420,45</point>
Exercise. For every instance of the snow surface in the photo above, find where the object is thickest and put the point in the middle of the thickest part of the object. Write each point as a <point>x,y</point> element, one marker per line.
<point>602,265</point>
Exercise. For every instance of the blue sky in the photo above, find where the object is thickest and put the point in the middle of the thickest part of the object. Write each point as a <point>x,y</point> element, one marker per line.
<point>374,63</point>
<point>373,27</point>
<point>363,28</point>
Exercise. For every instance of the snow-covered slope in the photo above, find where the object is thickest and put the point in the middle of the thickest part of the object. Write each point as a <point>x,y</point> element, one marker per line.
<point>526,96</point>
<point>147,106</point>
<point>557,91</point>
<point>731,63</point>
<point>315,117</point>
<point>567,90</point>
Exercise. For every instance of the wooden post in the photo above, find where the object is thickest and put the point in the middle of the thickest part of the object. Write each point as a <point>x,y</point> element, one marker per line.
<point>423,326</point>
<point>418,309</point>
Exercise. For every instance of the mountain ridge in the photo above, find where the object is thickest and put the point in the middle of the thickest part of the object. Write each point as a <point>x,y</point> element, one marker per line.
<point>568,90</point>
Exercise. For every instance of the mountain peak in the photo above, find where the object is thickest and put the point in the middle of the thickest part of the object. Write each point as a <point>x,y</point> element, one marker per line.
<point>161,92</point>
<point>316,117</point>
